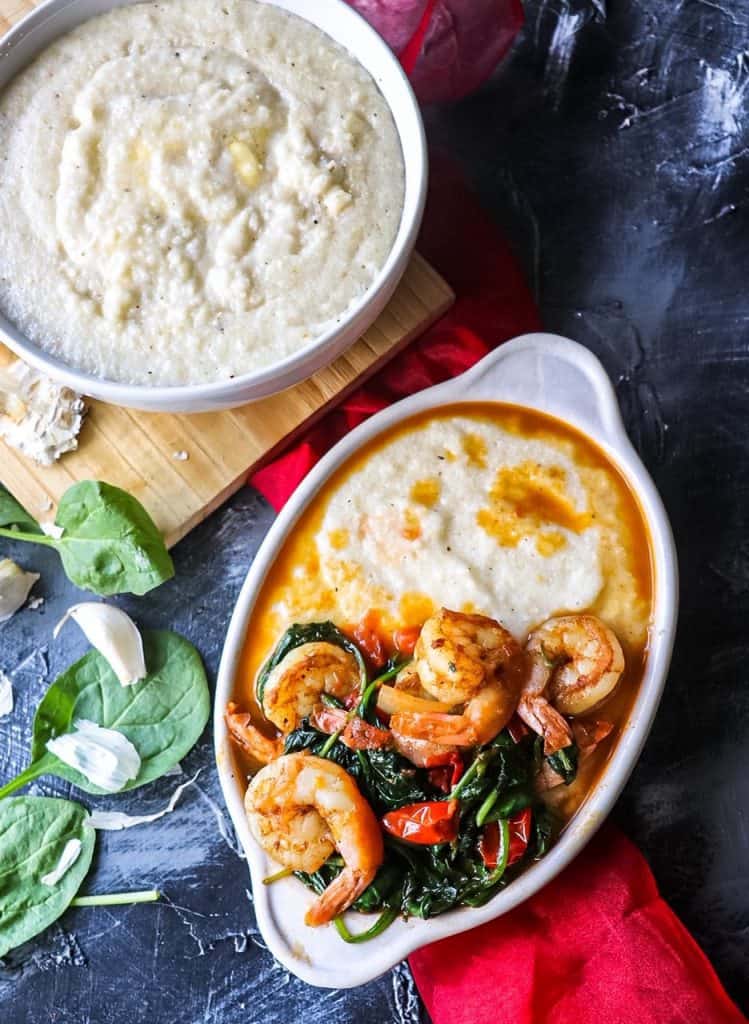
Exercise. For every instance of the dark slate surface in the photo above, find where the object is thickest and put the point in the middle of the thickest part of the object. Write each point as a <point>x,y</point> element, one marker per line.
<point>613,148</point>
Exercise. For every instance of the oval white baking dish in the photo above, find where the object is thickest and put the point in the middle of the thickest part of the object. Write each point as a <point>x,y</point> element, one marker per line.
<point>540,371</point>
<point>56,17</point>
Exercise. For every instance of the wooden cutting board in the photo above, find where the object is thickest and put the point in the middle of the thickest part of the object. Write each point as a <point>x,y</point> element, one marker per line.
<point>144,452</point>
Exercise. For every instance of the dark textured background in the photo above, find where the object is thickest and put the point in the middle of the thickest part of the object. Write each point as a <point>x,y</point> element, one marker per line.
<point>613,147</point>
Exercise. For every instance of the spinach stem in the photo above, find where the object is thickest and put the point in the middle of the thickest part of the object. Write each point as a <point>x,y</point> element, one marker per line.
<point>467,776</point>
<point>504,835</point>
<point>384,921</point>
<point>283,873</point>
<point>27,775</point>
<point>329,743</point>
<point>487,805</point>
<point>29,538</point>
<point>376,684</point>
<point>115,898</point>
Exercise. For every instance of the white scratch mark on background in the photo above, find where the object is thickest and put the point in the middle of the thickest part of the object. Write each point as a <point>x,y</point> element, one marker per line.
<point>561,49</point>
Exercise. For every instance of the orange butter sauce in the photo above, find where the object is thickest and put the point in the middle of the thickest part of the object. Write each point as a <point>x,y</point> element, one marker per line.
<point>524,500</point>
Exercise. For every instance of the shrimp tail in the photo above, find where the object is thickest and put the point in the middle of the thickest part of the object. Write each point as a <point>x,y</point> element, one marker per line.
<point>242,730</point>
<point>339,895</point>
<point>544,719</point>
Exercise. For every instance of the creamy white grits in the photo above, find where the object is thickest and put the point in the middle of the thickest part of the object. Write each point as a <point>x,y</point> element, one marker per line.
<point>190,191</point>
<point>422,534</point>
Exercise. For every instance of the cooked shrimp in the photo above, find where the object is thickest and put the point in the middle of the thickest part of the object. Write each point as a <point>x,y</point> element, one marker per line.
<point>296,684</point>
<point>457,653</point>
<point>301,808</point>
<point>468,659</point>
<point>260,747</point>
<point>576,661</point>
<point>408,695</point>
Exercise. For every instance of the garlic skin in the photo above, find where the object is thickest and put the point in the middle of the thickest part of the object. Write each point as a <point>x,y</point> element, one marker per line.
<point>15,586</point>
<point>113,821</point>
<point>68,857</point>
<point>114,635</point>
<point>105,756</point>
<point>6,695</point>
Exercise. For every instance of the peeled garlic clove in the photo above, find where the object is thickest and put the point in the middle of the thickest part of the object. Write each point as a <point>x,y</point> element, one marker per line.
<point>15,585</point>
<point>6,695</point>
<point>105,756</point>
<point>68,857</point>
<point>115,636</point>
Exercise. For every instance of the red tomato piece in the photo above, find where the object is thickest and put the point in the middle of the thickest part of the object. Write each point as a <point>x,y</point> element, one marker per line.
<point>368,637</point>
<point>520,834</point>
<point>435,821</point>
<point>405,639</point>
<point>445,770</point>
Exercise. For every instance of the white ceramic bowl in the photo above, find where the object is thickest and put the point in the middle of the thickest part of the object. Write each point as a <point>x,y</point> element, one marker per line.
<point>56,17</point>
<point>540,371</point>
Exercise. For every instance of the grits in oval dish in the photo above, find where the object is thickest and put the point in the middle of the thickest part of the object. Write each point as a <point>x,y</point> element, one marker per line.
<point>191,191</point>
<point>440,661</point>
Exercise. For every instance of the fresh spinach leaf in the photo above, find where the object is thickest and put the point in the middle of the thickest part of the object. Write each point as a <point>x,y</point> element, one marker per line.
<point>306,633</point>
<point>110,544</point>
<point>12,513</point>
<point>564,763</point>
<point>34,831</point>
<point>162,716</point>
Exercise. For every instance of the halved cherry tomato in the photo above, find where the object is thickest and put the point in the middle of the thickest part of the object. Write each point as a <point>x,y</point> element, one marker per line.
<point>405,639</point>
<point>517,729</point>
<point>368,637</point>
<point>445,770</point>
<point>520,834</point>
<point>435,821</point>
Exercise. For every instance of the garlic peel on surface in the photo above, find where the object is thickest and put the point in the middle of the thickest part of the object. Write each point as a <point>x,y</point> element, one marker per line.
<point>113,821</point>
<point>70,854</point>
<point>15,586</point>
<point>105,756</point>
<point>115,636</point>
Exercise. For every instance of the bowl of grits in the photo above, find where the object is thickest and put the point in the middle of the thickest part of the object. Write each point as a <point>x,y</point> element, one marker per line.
<point>204,203</point>
<point>469,607</point>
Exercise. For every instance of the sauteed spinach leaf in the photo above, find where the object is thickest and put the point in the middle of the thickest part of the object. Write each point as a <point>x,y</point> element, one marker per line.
<point>423,881</point>
<point>306,633</point>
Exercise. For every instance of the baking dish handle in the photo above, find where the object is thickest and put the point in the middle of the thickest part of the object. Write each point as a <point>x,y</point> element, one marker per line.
<point>555,375</point>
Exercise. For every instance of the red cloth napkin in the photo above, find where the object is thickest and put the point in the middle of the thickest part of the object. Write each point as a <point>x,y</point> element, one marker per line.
<point>597,945</point>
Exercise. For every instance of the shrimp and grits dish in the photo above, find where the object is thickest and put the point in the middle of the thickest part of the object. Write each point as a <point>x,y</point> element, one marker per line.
<point>439,662</point>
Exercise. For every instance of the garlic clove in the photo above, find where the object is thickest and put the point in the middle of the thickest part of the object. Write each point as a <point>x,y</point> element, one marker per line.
<point>70,854</point>
<point>115,636</point>
<point>105,756</point>
<point>15,586</point>
<point>6,695</point>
